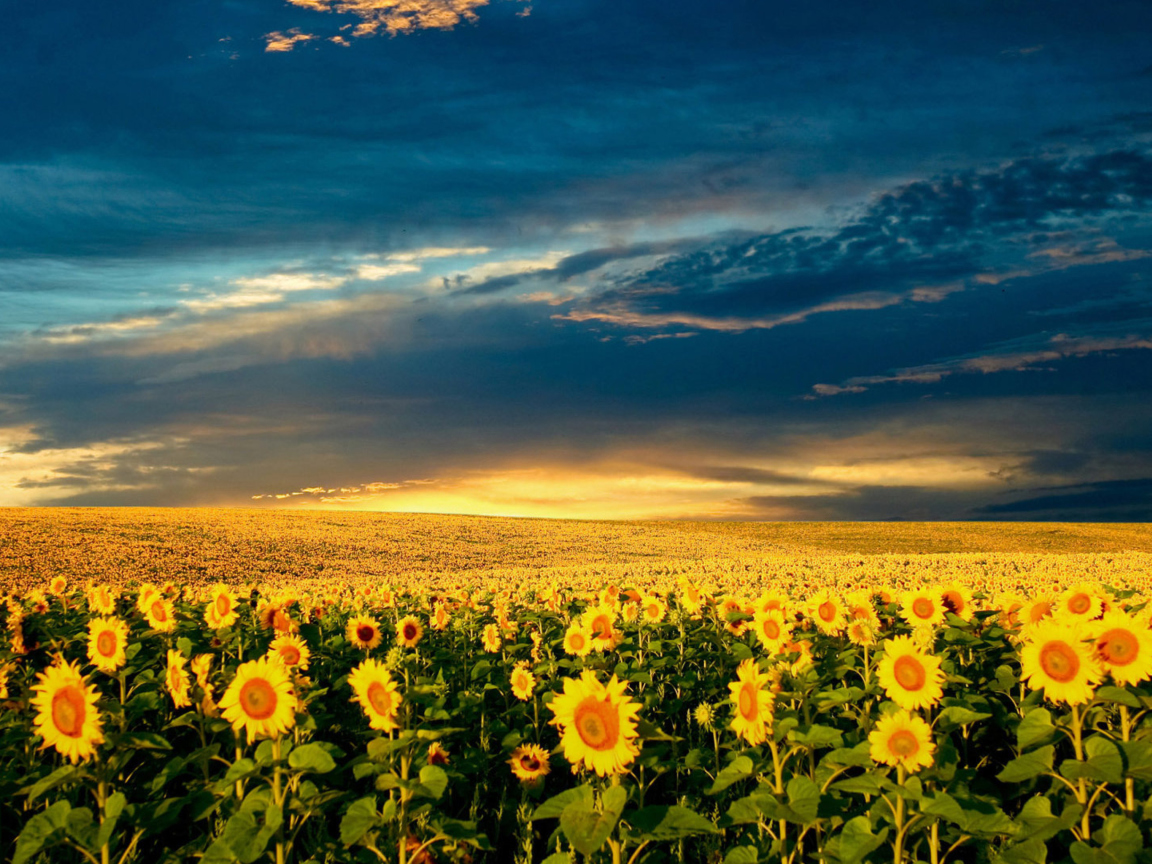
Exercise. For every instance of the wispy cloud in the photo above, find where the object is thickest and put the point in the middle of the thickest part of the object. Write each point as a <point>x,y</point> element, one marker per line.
<point>277,42</point>
<point>397,16</point>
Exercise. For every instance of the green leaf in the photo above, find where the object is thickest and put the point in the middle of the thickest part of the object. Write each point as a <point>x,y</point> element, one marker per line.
<point>857,840</point>
<point>1117,842</point>
<point>817,736</point>
<point>803,800</point>
<point>433,781</point>
<point>554,806</point>
<point>669,823</point>
<point>311,757</point>
<point>39,830</point>
<point>1118,695</point>
<point>1025,852</point>
<point>1036,728</point>
<point>558,858</point>
<point>750,808</point>
<point>56,778</point>
<point>738,769</point>
<point>742,855</point>
<point>586,829</point>
<point>1138,758</point>
<point>113,807</point>
<point>955,716</point>
<point>865,784</point>
<point>360,818</point>
<point>1038,822</point>
<point>860,755</point>
<point>1103,761</point>
<point>1028,766</point>
<point>81,827</point>
<point>144,741</point>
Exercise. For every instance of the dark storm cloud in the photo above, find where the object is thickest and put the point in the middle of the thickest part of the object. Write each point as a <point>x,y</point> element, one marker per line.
<point>1114,500</point>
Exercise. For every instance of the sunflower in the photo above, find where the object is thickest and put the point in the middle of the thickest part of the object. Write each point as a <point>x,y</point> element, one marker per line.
<point>654,609</point>
<point>200,666</point>
<point>802,648</point>
<point>902,739</point>
<point>409,631</point>
<point>291,650</point>
<point>597,723</point>
<point>772,598</point>
<point>862,632</point>
<point>58,585</point>
<point>363,632</point>
<point>523,683</point>
<point>437,755</point>
<point>106,640</point>
<point>66,715</point>
<point>922,606</point>
<point>160,614</point>
<point>911,678</point>
<point>1123,647</point>
<point>529,763</point>
<point>490,638</point>
<point>221,609</point>
<point>577,640</point>
<point>176,679</point>
<point>600,621</point>
<point>102,600</point>
<point>827,611</point>
<point>1081,602</point>
<point>691,597</point>
<point>772,630</point>
<point>1011,605</point>
<point>753,717</point>
<point>1054,657</point>
<point>1037,609</point>
<point>147,593</point>
<point>377,694</point>
<point>957,599</point>
<point>440,617</point>
<point>260,699</point>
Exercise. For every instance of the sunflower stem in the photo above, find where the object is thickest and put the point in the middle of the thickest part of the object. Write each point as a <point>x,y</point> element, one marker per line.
<point>277,794</point>
<point>102,800</point>
<point>898,843</point>
<point>1081,785</point>
<point>1129,782</point>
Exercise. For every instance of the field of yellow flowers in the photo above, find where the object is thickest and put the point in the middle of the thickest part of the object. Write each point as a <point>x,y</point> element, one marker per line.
<point>683,696</point>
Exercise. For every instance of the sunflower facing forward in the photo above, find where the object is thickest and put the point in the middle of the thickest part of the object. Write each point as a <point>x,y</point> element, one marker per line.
<point>753,717</point>
<point>529,763</point>
<point>597,724</point>
<point>221,608</point>
<point>66,715</point>
<point>409,631</point>
<point>911,678</point>
<point>377,694</point>
<point>1055,657</point>
<point>902,739</point>
<point>523,682</point>
<point>260,700</point>
<point>291,650</point>
<point>106,640</point>
<point>363,632</point>
<point>1124,647</point>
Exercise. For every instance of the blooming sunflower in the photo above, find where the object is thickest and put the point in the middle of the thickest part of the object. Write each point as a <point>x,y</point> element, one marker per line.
<point>1037,609</point>
<point>260,699</point>
<point>523,683</point>
<point>862,632</point>
<point>102,600</point>
<point>377,694</point>
<point>654,609</point>
<point>753,717</point>
<point>66,715</point>
<point>363,632</point>
<point>437,755</point>
<point>409,631</point>
<point>957,599</point>
<point>600,621</point>
<point>529,763</point>
<point>1011,605</point>
<point>902,739</point>
<point>176,679</point>
<point>577,640</point>
<point>922,606</point>
<point>1054,657</point>
<point>910,677</point>
<point>160,614</point>
<point>490,638</point>
<point>106,640</point>
<point>1123,646</point>
<point>221,609</point>
<point>200,665</point>
<point>771,629</point>
<point>827,611</point>
<point>1081,602</point>
<point>691,597</point>
<point>440,617</point>
<point>597,723</point>
<point>291,650</point>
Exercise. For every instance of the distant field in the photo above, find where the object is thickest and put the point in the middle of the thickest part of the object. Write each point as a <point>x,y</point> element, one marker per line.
<point>200,546</point>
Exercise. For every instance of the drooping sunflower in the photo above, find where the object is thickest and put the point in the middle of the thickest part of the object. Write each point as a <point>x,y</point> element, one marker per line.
<point>904,739</point>
<point>1054,656</point>
<point>176,679</point>
<point>827,611</point>
<point>577,640</point>
<point>1123,646</point>
<point>597,723</point>
<point>437,755</point>
<point>1081,601</point>
<point>529,763</point>
<point>911,678</point>
<point>409,631</point>
<point>66,715</point>
<point>771,630</point>
<point>363,632</point>
<point>107,638</point>
<point>957,599</point>
<point>523,683</point>
<point>922,606</point>
<point>490,638</point>
<point>260,699</point>
<point>753,717</point>
<point>221,609</point>
<point>201,666</point>
<point>160,614</point>
<point>292,651</point>
<point>377,694</point>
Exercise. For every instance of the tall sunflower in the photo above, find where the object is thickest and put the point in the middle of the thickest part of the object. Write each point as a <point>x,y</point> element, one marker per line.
<point>597,723</point>
<point>957,599</point>
<point>1054,657</point>
<point>902,739</point>
<point>102,600</point>
<point>160,613</point>
<point>827,611</point>
<point>440,616</point>
<point>490,639</point>
<point>66,716</point>
<point>409,631</point>
<point>176,679</point>
<point>377,694</point>
<point>1123,646</point>
<point>753,718</point>
<point>363,632</point>
<point>260,700</point>
<point>221,609</point>
<point>523,682</point>
<point>922,606</point>
<point>600,621</point>
<point>1081,601</point>
<point>771,630</point>
<point>910,677</point>
<point>577,640</point>
<point>107,638</point>
<point>291,650</point>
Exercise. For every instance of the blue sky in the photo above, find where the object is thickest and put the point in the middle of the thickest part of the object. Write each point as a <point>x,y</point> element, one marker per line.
<point>588,259</point>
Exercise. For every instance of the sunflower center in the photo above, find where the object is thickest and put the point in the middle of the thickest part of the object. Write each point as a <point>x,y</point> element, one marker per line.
<point>223,605</point>
<point>922,607</point>
<point>909,672</point>
<point>577,641</point>
<point>365,632</point>
<point>597,723</point>
<point>747,702</point>
<point>601,626</point>
<point>903,744</point>
<point>258,699</point>
<point>1079,603</point>
<point>653,610</point>
<point>1059,661</point>
<point>1040,611</point>
<point>771,629</point>
<point>106,643</point>
<point>953,602</point>
<point>529,763</point>
<point>68,710</point>
<point>1118,647</point>
<point>380,698</point>
<point>290,654</point>
<point>409,632</point>
<point>158,611</point>
<point>827,610</point>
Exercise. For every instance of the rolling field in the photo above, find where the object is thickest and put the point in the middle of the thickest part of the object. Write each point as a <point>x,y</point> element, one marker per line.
<point>223,686</point>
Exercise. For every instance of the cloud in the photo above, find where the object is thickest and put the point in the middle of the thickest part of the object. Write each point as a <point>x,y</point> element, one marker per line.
<point>277,42</point>
<point>1119,500</point>
<point>398,16</point>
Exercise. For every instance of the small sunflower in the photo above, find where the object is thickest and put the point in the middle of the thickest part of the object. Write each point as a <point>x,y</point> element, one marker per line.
<point>440,616</point>
<point>771,630</point>
<point>902,739</point>
<point>577,640</point>
<point>106,640</point>
<point>66,716</point>
<point>1123,646</point>
<point>523,683</point>
<point>600,621</point>
<point>654,609</point>
<point>910,677</point>
<point>58,585</point>
<point>201,665</point>
<point>176,679</point>
<point>529,763</point>
<point>957,599</point>
<point>221,609</point>
<point>260,700</point>
<point>160,614</point>
<point>1081,602</point>
<point>1038,609</point>
<point>1054,657</point>
<point>292,651</point>
<point>597,724</point>
<point>363,632</point>
<point>827,611</point>
<point>409,631</point>
<point>437,755</point>
<point>753,717</point>
<point>377,694</point>
<point>491,638</point>
<point>102,600</point>
<point>862,632</point>
<point>922,606</point>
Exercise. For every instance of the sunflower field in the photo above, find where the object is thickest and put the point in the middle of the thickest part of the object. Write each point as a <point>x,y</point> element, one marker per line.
<point>653,723</point>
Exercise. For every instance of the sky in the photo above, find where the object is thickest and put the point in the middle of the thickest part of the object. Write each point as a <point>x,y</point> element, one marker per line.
<point>582,259</point>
